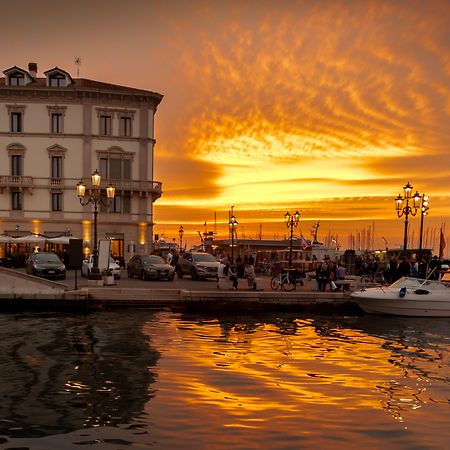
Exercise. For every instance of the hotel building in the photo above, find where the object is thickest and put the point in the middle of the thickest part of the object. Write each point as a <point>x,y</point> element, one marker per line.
<point>56,130</point>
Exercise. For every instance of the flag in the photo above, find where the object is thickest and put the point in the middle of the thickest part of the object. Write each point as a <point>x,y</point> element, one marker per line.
<point>441,245</point>
<point>303,243</point>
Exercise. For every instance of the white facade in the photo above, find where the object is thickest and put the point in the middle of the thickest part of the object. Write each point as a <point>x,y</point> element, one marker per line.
<point>54,131</point>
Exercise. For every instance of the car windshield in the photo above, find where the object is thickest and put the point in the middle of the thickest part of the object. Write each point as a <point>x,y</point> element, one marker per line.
<point>152,260</point>
<point>204,257</point>
<point>47,258</point>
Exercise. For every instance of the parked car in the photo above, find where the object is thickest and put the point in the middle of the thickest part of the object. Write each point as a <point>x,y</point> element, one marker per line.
<point>88,264</point>
<point>150,267</point>
<point>197,265</point>
<point>46,265</point>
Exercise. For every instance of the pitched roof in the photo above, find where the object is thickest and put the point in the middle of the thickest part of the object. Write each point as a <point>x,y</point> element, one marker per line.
<point>84,84</point>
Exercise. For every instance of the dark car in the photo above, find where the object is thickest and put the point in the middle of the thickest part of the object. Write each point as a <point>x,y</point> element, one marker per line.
<point>46,265</point>
<point>150,267</point>
<point>197,265</point>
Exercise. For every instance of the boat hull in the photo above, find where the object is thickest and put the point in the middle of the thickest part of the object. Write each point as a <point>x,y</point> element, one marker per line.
<point>432,300</point>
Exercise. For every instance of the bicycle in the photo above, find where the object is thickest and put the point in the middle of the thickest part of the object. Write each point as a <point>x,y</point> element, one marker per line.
<point>373,278</point>
<point>286,280</point>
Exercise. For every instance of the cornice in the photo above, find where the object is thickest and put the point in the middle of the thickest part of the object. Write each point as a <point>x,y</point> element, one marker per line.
<point>79,96</point>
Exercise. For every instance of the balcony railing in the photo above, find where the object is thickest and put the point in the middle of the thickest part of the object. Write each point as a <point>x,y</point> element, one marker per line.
<point>15,181</point>
<point>154,187</point>
<point>140,186</point>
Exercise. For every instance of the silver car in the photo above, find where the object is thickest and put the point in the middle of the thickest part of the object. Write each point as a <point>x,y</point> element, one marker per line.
<point>198,265</point>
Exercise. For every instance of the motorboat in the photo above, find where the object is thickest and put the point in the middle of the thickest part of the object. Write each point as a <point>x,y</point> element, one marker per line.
<point>407,297</point>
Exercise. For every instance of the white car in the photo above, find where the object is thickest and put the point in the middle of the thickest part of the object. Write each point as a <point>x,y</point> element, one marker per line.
<point>88,264</point>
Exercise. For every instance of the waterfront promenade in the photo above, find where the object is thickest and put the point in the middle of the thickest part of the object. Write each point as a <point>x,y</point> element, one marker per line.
<point>21,291</point>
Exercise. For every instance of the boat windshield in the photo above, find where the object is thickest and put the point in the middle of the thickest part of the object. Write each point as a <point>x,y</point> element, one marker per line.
<point>414,283</point>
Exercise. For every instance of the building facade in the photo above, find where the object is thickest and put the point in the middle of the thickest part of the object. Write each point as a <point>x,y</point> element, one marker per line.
<point>56,130</point>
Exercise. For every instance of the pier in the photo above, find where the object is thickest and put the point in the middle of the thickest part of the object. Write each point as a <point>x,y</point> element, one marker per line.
<point>27,292</point>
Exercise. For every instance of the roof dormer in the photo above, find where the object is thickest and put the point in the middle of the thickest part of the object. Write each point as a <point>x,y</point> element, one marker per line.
<point>15,76</point>
<point>58,78</point>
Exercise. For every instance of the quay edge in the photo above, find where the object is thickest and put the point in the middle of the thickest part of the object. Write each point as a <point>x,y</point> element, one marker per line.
<point>21,292</point>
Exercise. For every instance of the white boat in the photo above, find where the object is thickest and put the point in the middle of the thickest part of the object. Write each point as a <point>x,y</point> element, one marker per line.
<point>406,297</point>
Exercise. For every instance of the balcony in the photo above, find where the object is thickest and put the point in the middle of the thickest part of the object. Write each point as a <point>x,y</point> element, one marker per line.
<point>143,188</point>
<point>15,182</point>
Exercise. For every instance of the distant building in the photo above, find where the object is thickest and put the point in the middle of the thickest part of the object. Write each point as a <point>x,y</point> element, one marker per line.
<point>55,130</point>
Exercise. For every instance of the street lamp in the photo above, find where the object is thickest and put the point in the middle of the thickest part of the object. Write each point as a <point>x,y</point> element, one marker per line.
<point>423,212</point>
<point>407,209</point>
<point>233,225</point>
<point>180,233</point>
<point>291,222</point>
<point>95,198</point>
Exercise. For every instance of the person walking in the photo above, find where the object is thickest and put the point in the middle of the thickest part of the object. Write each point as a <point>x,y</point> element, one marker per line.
<point>249,273</point>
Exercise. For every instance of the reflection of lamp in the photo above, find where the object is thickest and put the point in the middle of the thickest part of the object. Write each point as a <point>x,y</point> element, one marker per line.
<point>95,198</point>
<point>423,212</point>
<point>180,233</point>
<point>407,210</point>
<point>233,225</point>
<point>291,222</point>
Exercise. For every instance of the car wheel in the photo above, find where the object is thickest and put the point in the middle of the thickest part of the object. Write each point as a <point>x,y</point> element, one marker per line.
<point>179,272</point>
<point>194,275</point>
<point>143,276</point>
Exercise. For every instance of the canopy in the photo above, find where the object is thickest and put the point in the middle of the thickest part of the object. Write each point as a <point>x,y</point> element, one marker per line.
<point>30,239</point>
<point>5,239</point>
<point>62,240</point>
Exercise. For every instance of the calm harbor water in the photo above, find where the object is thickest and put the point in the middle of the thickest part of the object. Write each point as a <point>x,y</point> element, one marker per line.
<point>142,379</point>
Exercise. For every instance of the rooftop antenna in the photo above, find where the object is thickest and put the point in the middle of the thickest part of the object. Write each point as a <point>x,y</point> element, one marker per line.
<point>78,64</point>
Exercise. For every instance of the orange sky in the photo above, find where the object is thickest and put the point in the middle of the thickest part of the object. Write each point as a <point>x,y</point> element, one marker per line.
<point>328,107</point>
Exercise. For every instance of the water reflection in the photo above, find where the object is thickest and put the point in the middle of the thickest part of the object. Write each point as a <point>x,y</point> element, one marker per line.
<point>141,379</point>
<point>62,373</point>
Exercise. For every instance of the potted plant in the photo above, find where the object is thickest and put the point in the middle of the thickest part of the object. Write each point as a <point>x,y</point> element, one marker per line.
<point>108,277</point>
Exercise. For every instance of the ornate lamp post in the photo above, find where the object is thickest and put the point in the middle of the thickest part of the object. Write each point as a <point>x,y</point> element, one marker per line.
<point>180,233</point>
<point>423,212</point>
<point>291,222</point>
<point>95,198</point>
<point>233,225</point>
<point>407,209</point>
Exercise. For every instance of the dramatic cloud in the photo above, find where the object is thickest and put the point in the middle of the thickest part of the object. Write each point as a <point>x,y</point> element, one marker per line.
<point>326,106</point>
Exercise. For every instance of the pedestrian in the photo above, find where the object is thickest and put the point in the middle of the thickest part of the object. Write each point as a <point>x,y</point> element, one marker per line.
<point>321,276</point>
<point>169,257</point>
<point>249,273</point>
<point>222,275</point>
<point>340,274</point>
<point>232,273</point>
<point>404,268</point>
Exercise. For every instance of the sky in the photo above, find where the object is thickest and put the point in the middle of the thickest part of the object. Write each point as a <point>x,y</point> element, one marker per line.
<point>325,107</point>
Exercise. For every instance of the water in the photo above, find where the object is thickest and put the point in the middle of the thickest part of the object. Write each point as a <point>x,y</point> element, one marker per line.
<point>140,379</point>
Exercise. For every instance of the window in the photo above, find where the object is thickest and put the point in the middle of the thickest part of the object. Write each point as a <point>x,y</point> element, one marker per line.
<point>16,200</point>
<point>56,166</point>
<point>125,126</point>
<point>56,122</point>
<point>16,165</point>
<point>56,115</point>
<point>115,167</point>
<point>16,122</point>
<point>57,80</point>
<point>17,79</point>
<point>121,203</point>
<point>105,125</point>
<point>56,201</point>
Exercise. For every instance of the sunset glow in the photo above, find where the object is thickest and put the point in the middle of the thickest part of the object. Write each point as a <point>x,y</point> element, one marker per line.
<point>325,107</point>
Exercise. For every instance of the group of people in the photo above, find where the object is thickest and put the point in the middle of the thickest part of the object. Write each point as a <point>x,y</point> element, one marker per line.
<point>395,268</point>
<point>330,274</point>
<point>232,271</point>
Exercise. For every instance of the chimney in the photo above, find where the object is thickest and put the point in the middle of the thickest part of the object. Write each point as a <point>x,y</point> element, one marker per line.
<point>32,69</point>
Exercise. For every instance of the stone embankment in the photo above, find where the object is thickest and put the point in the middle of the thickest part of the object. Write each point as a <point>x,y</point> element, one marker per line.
<point>26,292</point>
